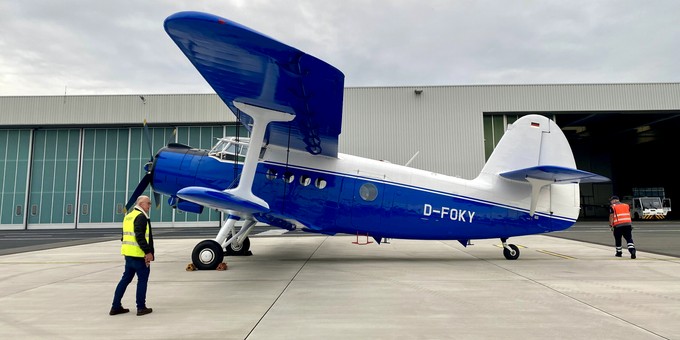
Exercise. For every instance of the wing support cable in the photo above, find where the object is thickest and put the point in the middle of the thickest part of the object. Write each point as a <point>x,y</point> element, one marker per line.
<point>237,148</point>
<point>285,172</point>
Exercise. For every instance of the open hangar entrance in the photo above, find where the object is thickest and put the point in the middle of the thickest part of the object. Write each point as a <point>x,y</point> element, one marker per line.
<point>633,148</point>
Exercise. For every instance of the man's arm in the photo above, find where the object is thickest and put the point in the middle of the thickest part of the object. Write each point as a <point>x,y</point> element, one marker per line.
<point>140,234</point>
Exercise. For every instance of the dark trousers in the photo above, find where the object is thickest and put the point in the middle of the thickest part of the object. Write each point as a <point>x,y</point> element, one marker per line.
<point>626,232</point>
<point>133,266</point>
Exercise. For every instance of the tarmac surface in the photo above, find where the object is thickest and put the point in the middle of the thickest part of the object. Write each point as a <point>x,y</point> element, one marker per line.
<point>322,287</point>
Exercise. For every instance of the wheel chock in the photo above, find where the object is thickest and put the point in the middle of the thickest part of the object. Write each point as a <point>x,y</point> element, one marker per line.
<point>221,266</point>
<point>190,267</point>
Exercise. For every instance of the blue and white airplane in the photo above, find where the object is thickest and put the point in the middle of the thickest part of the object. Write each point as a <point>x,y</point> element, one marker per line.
<point>289,174</point>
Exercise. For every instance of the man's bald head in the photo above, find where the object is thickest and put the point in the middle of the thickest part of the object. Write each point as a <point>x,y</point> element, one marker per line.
<point>143,202</point>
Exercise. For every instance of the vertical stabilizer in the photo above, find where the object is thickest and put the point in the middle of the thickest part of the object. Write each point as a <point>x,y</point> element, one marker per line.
<point>533,168</point>
<point>531,141</point>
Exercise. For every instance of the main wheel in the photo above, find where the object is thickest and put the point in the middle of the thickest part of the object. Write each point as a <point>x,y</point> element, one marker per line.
<point>511,254</point>
<point>207,255</point>
<point>234,249</point>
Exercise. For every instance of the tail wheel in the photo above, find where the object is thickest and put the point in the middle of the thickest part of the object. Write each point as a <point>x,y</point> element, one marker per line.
<point>512,253</point>
<point>234,249</point>
<point>207,255</point>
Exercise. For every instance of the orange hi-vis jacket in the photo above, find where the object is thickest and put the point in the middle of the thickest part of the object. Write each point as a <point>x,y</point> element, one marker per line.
<point>621,214</point>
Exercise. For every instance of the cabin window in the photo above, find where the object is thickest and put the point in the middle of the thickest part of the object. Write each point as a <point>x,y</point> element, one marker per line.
<point>320,183</point>
<point>305,180</point>
<point>271,174</point>
<point>368,192</point>
<point>288,177</point>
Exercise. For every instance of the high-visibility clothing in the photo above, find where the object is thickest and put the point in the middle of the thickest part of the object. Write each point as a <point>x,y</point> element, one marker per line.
<point>621,214</point>
<point>130,247</point>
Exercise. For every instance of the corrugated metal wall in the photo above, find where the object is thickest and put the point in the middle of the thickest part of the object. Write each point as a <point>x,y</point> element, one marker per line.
<point>394,123</point>
<point>443,123</point>
<point>113,110</point>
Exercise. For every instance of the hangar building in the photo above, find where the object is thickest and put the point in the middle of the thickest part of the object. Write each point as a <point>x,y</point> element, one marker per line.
<point>73,161</point>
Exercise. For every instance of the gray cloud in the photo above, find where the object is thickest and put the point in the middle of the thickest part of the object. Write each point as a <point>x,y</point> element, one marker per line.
<point>120,47</point>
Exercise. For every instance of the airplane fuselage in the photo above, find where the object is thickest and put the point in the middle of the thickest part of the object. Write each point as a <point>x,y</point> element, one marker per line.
<point>350,194</point>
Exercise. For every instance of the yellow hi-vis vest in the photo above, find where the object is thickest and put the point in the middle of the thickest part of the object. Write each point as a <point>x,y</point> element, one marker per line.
<point>130,247</point>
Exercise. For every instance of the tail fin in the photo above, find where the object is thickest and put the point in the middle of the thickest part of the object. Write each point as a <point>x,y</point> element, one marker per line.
<point>535,150</point>
<point>531,141</point>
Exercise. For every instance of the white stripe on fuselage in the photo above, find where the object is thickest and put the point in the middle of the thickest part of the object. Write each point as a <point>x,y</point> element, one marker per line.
<point>401,176</point>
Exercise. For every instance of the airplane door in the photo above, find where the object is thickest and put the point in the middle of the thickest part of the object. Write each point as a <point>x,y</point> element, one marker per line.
<point>367,204</point>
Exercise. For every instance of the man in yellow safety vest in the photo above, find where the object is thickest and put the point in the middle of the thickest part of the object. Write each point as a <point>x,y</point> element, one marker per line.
<point>137,247</point>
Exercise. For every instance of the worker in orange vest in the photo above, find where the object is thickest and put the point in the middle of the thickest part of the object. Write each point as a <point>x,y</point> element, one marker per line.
<point>621,225</point>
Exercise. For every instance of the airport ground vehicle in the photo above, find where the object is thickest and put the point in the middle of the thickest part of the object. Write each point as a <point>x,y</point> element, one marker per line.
<point>648,203</point>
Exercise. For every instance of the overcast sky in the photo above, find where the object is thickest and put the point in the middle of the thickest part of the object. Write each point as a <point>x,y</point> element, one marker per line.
<point>49,47</point>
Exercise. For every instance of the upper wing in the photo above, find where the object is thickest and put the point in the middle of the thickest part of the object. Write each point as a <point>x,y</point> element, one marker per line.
<point>556,174</point>
<point>245,65</point>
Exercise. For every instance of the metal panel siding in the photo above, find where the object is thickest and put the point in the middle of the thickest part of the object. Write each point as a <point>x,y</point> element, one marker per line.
<point>443,123</point>
<point>394,123</point>
<point>113,110</point>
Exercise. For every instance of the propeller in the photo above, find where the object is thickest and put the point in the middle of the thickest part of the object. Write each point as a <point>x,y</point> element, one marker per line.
<point>141,187</point>
<point>148,177</point>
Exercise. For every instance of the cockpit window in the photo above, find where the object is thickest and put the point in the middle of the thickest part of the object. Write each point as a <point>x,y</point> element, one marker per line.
<point>231,149</point>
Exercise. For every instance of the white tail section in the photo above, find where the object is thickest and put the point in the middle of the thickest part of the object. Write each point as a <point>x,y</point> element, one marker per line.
<point>533,168</point>
<point>531,141</point>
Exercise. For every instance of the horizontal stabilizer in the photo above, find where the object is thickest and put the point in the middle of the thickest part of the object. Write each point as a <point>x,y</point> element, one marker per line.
<point>216,199</point>
<point>555,174</point>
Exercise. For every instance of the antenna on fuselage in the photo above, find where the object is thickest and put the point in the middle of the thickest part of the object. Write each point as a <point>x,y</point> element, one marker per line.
<point>412,158</point>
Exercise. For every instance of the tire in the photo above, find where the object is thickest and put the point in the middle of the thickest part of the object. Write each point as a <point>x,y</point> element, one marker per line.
<point>511,255</point>
<point>234,250</point>
<point>207,255</point>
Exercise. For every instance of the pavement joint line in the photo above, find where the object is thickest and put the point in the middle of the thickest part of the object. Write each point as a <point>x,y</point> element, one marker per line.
<point>547,252</point>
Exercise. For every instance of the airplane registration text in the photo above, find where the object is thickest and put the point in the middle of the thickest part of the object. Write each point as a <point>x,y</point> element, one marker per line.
<point>453,214</point>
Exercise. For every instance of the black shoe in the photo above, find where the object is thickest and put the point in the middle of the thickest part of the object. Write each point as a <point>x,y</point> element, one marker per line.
<point>144,311</point>
<point>116,311</point>
<point>632,254</point>
<point>618,254</point>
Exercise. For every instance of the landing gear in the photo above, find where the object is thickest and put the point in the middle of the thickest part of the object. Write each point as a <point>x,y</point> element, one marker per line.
<point>510,251</point>
<point>236,244</point>
<point>236,249</point>
<point>207,255</point>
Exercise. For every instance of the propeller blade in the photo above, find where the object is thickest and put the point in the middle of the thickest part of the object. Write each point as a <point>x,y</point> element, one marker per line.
<point>141,187</point>
<point>156,199</point>
<point>172,136</point>
<point>148,140</point>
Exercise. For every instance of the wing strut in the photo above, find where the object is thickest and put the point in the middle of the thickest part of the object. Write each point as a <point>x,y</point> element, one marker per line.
<point>261,118</point>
